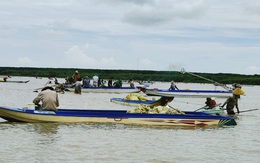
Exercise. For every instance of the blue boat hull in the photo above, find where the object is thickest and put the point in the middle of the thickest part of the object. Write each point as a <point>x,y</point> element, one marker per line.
<point>105,90</point>
<point>191,119</point>
<point>188,93</point>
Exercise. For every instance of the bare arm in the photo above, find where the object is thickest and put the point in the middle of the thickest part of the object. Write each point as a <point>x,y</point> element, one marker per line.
<point>57,99</point>
<point>237,107</point>
<point>37,99</point>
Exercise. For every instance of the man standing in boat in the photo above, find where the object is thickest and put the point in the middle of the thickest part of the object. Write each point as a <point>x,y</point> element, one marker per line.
<point>75,76</point>
<point>48,98</point>
<point>131,83</point>
<point>173,86</point>
<point>95,80</point>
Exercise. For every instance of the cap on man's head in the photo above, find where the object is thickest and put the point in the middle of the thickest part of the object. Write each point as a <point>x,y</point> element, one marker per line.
<point>76,71</point>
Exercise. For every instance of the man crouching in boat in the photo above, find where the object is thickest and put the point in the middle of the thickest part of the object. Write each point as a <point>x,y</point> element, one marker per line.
<point>210,103</point>
<point>5,78</point>
<point>48,98</point>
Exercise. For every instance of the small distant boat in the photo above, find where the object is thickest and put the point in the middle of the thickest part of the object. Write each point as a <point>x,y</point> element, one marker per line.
<point>106,90</point>
<point>13,81</point>
<point>188,119</point>
<point>187,93</point>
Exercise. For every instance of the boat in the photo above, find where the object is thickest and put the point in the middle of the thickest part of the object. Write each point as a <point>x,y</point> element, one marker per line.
<point>105,89</point>
<point>135,99</point>
<point>217,110</point>
<point>187,93</point>
<point>188,119</point>
<point>14,81</point>
<point>145,83</point>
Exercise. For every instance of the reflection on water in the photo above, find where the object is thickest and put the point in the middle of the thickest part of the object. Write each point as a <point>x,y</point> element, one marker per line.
<point>45,128</point>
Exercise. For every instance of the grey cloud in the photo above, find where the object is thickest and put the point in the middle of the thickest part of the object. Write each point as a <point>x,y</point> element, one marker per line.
<point>120,2</point>
<point>158,13</point>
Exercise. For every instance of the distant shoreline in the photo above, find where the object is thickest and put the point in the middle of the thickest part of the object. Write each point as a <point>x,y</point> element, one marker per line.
<point>137,75</point>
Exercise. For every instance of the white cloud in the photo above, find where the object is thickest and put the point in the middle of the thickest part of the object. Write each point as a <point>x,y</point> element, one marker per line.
<point>252,70</point>
<point>201,35</point>
<point>24,61</point>
<point>108,62</point>
<point>77,57</point>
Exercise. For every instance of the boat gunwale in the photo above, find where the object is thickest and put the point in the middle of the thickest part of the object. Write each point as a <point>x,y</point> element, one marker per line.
<point>191,91</point>
<point>116,114</point>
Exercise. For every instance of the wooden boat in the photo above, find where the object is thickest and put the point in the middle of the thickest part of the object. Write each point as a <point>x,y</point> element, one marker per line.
<point>135,99</point>
<point>215,110</point>
<point>189,119</point>
<point>14,81</point>
<point>106,90</point>
<point>187,93</point>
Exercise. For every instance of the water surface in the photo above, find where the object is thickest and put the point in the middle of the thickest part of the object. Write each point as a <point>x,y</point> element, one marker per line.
<point>41,142</point>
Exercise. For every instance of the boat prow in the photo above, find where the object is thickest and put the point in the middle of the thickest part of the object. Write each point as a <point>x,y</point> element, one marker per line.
<point>14,81</point>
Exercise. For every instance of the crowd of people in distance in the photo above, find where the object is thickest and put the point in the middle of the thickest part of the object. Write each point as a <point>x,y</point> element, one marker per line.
<point>47,99</point>
<point>85,82</point>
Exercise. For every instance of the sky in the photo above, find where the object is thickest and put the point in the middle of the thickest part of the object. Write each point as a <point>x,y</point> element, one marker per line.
<point>207,36</point>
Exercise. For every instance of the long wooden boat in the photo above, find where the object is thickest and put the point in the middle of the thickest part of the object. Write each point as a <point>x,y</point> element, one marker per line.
<point>106,90</point>
<point>189,119</point>
<point>217,110</point>
<point>14,81</point>
<point>187,93</point>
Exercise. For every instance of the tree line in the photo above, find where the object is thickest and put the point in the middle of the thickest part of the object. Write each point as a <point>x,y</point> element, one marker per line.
<point>137,75</point>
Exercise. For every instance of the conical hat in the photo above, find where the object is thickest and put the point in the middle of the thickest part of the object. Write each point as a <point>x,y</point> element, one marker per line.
<point>238,91</point>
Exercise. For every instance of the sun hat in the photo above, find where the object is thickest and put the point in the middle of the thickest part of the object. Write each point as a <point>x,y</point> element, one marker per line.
<point>238,91</point>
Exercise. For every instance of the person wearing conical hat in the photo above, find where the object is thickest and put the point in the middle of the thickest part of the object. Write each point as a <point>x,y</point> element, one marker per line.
<point>232,102</point>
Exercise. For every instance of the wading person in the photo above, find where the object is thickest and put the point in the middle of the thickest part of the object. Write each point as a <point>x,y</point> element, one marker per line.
<point>232,102</point>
